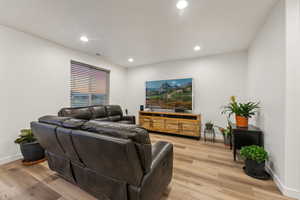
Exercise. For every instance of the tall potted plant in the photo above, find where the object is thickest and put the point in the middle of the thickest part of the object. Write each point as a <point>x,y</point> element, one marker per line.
<point>30,148</point>
<point>242,111</point>
<point>255,157</point>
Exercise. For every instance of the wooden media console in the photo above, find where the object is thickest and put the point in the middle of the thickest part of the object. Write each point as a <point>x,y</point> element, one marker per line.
<point>184,124</point>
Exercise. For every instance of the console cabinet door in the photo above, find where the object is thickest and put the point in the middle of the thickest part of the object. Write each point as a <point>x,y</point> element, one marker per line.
<point>190,128</point>
<point>145,122</point>
<point>158,124</point>
<point>172,126</point>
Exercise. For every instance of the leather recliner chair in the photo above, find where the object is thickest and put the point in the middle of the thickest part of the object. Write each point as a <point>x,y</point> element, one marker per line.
<point>111,113</point>
<point>111,161</point>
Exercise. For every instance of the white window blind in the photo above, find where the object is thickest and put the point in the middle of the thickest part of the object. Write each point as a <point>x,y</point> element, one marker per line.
<point>89,85</point>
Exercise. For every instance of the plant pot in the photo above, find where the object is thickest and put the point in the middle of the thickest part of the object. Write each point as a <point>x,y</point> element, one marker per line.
<point>227,139</point>
<point>255,169</point>
<point>241,121</point>
<point>32,151</point>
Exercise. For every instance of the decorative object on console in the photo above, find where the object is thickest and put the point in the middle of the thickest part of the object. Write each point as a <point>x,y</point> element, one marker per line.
<point>184,124</point>
<point>242,111</point>
<point>255,157</point>
<point>179,110</point>
<point>141,107</point>
<point>170,94</point>
<point>31,150</point>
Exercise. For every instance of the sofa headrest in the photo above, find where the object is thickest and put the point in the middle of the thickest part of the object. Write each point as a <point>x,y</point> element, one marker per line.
<point>74,123</point>
<point>98,111</point>
<point>113,110</point>
<point>54,120</point>
<point>66,122</point>
<point>125,131</point>
<point>78,113</point>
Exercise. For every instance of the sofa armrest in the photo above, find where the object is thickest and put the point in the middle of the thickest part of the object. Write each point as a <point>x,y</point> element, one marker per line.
<point>156,181</point>
<point>129,118</point>
<point>159,151</point>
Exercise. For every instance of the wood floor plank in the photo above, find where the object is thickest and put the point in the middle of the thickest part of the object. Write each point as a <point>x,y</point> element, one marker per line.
<point>202,171</point>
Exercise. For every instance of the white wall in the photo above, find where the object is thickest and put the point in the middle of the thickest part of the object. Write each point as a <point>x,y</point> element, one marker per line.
<point>274,78</point>
<point>292,141</point>
<point>266,83</point>
<point>216,78</point>
<point>34,81</point>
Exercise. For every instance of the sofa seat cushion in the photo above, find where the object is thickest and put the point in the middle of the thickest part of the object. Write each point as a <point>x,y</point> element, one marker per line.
<point>53,120</point>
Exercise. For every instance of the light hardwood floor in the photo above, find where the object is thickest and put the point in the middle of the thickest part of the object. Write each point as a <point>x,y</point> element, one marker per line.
<point>202,171</point>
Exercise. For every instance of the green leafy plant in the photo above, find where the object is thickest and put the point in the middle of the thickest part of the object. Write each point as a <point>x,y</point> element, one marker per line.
<point>225,131</point>
<point>209,125</point>
<point>240,109</point>
<point>26,136</point>
<point>255,153</point>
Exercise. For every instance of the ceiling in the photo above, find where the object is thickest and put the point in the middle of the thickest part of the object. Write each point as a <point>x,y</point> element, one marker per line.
<point>150,31</point>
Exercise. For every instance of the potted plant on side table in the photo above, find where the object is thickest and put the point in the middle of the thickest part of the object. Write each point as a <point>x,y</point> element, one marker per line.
<point>30,148</point>
<point>255,158</point>
<point>242,111</point>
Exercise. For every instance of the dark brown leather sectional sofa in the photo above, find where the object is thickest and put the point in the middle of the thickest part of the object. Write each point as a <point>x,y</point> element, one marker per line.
<point>112,113</point>
<point>110,160</point>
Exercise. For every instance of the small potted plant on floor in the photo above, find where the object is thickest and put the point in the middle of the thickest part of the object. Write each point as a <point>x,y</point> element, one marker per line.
<point>242,111</point>
<point>226,132</point>
<point>30,148</point>
<point>255,157</point>
<point>209,125</point>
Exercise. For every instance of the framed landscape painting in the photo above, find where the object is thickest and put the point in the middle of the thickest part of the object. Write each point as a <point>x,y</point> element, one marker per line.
<point>170,94</point>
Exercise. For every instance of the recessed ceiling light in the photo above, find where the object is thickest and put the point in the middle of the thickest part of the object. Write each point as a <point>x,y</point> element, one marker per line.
<point>182,4</point>
<point>130,60</point>
<point>84,39</point>
<point>197,48</point>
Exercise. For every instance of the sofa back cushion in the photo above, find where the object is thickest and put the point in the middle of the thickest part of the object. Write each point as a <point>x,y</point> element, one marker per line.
<point>114,110</point>
<point>98,112</point>
<point>109,156</point>
<point>46,135</point>
<point>139,136</point>
<point>54,120</point>
<point>79,113</point>
<point>66,122</point>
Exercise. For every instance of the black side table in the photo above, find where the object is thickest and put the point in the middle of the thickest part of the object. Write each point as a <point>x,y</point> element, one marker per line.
<point>245,137</point>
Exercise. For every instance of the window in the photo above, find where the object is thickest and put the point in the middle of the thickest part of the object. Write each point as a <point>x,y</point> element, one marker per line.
<point>89,85</point>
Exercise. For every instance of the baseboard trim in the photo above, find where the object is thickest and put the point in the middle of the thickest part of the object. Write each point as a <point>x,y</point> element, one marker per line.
<point>10,159</point>
<point>287,191</point>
